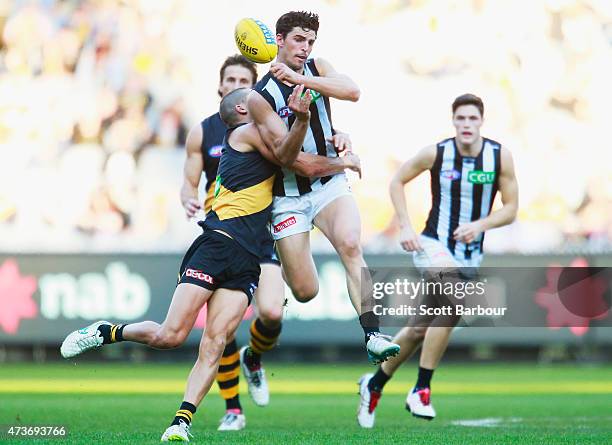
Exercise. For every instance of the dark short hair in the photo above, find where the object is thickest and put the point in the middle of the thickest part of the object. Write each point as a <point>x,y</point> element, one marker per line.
<point>297,19</point>
<point>227,109</point>
<point>469,99</point>
<point>238,59</point>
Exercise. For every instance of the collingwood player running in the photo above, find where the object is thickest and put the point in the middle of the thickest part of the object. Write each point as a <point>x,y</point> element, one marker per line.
<point>466,173</point>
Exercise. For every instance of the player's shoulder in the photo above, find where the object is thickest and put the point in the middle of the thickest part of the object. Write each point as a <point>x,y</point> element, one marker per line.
<point>246,134</point>
<point>504,151</point>
<point>260,93</point>
<point>493,143</point>
<point>213,119</point>
<point>429,151</point>
<point>443,143</point>
<point>317,65</point>
<point>261,83</point>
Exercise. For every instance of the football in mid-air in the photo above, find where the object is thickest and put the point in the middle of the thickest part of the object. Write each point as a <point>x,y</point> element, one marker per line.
<point>255,40</point>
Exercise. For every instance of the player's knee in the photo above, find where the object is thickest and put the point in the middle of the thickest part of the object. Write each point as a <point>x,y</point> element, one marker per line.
<point>168,338</point>
<point>305,292</point>
<point>213,345</point>
<point>270,315</point>
<point>417,333</point>
<point>350,246</point>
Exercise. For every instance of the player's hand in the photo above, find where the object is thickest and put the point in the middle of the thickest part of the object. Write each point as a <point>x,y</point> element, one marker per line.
<point>409,240</point>
<point>285,74</point>
<point>342,142</point>
<point>192,206</point>
<point>468,232</point>
<point>352,162</point>
<point>299,103</point>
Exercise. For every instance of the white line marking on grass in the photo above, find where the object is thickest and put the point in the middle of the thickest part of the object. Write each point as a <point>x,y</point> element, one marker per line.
<point>486,422</point>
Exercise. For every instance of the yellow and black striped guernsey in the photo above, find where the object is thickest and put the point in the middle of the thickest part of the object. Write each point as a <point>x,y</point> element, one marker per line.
<point>243,198</point>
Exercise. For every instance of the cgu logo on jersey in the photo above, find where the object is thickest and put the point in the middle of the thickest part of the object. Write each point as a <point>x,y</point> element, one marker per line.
<point>481,177</point>
<point>450,174</point>
<point>216,151</point>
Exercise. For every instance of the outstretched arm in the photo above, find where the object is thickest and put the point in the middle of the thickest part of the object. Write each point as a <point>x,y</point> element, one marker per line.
<point>192,171</point>
<point>330,83</point>
<point>423,160</point>
<point>315,166</point>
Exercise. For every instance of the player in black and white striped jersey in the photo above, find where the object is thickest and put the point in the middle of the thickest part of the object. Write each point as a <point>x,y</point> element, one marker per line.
<point>466,173</point>
<point>301,202</point>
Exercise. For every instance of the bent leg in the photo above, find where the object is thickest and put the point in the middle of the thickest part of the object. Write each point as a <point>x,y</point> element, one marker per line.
<point>298,266</point>
<point>340,222</point>
<point>186,303</point>
<point>409,339</point>
<point>270,295</point>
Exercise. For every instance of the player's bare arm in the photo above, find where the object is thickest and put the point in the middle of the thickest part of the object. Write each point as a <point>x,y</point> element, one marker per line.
<point>192,171</point>
<point>508,187</point>
<point>272,129</point>
<point>330,83</point>
<point>316,166</point>
<point>311,165</point>
<point>422,161</point>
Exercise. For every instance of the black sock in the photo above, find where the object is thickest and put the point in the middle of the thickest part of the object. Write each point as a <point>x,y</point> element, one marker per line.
<point>111,333</point>
<point>378,381</point>
<point>263,339</point>
<point>185,413</point>
<point>424,379</point>
<point>369,323</point>
<point>233,403</point>
<point>252,359</point>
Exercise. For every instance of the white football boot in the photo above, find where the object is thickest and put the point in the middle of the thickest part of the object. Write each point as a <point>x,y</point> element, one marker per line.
<point>177,433</point>
<point>232,422</point>
<point>256,381</point>
<point>367,403</point>
<point>82,340</point>
<point>419,404</point>
<point>380,348</point>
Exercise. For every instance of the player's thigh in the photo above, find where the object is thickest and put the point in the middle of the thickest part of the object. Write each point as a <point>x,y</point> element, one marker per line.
<point>226,307</point>
<point>270,294</point>
<point>296,258</point>
<point>186,303</point>
<point>340,222</point>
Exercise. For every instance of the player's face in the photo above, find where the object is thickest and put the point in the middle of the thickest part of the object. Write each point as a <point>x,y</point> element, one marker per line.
<point>234,77</point>
<point>296,47</point>
<point>467,121</point>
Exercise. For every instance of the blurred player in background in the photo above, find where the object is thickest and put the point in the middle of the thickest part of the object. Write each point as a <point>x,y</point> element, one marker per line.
<point>301,201</point>
<point>203,146</point>
<point>466,173</point>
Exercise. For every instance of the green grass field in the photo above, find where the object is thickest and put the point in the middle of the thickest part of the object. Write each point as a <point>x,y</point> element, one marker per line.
<point>112,404</point>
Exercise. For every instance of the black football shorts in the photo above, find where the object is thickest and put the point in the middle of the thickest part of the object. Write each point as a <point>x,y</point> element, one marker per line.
<point>217,261</point>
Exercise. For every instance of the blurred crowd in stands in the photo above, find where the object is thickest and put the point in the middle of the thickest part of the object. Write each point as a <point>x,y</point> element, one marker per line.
<point>96,98</point>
